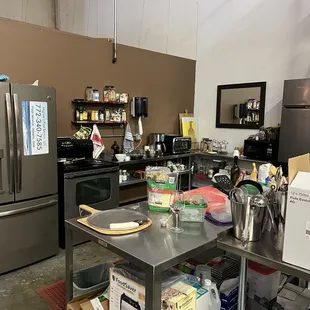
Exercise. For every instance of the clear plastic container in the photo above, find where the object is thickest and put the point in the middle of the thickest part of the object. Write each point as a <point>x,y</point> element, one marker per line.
<point>195,208</point>
<point>193,214</point>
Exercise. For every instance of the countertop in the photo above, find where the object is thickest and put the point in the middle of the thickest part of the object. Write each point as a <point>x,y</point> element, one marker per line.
<point>157,247</point>
<point>107,157</point>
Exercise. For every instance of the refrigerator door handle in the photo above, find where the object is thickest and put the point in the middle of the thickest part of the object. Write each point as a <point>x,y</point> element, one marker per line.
<point>28,209</point>
<point>11,141</point>
<point>19,147</point>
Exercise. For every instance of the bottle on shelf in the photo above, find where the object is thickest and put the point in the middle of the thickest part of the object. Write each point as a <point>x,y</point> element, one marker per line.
<point>253,175</point>
<point>124,116</point>
<point>77,113</point>
<point>85,115</point>
<point>101,115</point>
<point>235,171</point>
<point>114,149</point>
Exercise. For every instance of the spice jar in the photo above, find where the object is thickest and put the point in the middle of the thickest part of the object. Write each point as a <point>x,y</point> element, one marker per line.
<point>85,115</point>
<point>96,95</point>
<point>117,97</point>
<point>107,115</point>
<point>92,117</point>
<point>81,114</point>
<point>101,115</point>
<point>124,98</point>
<point>112,96</point>
<point>89,93</point>
<point>96,116</point>
<point>124,116</point>
<point>106,94</point>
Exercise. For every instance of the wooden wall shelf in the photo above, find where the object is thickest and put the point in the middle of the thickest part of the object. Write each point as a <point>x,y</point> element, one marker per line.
<point>98,122</point>
<point>78,101</point>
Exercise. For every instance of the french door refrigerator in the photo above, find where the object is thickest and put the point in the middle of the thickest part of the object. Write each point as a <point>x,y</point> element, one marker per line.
<point>28,175</point>
<point>295,121</point>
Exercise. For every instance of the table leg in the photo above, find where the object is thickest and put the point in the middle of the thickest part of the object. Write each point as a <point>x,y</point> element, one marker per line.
<point>242,284</point>
<point>153,290</point>
<point>69,264</point>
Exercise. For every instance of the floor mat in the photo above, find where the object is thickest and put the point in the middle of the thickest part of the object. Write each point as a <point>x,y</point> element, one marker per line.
<point>54,295</point>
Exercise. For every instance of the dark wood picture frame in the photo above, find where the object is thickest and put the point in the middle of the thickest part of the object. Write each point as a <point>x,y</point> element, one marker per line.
<point>262,86</point>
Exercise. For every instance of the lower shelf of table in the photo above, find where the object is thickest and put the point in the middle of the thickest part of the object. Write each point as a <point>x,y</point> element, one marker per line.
<point>263,252</point>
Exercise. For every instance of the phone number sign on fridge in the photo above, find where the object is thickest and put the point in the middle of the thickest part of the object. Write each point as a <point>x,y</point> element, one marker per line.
<point>35,127</point>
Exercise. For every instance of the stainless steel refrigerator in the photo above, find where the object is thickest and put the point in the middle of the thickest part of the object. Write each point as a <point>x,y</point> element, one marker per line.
<point>28,175</point>
<point>295,121</point>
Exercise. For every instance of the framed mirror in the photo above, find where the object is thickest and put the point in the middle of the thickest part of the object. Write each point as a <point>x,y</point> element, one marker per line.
<point>241,105</point>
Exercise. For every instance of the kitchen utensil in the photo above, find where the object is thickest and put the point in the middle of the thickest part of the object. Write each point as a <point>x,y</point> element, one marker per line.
<point>248,219</point>
<point>163,222</point>
<point>115,221</point>
<point>223,183</point>
<point>176,205</point>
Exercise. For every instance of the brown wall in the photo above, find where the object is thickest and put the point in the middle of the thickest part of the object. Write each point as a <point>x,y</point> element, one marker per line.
<point>70,62</point>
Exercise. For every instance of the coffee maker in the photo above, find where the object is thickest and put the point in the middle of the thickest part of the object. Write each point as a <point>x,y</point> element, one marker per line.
<point>156,140</point>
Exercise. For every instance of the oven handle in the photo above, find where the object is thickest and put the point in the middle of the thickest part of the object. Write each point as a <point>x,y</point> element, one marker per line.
<point>76,175</point>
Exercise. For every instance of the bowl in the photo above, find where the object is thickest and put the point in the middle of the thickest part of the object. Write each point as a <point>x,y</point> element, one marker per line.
<point>120,157</point>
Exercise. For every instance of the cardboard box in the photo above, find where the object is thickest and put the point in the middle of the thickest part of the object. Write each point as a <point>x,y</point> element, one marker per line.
<point>202,293</point>
<point>294,297</point>
<point>296,247</point>
<point>83,302</point>
<point>127,294</point>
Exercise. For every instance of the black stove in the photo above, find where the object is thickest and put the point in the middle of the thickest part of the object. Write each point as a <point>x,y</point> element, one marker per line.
<point>83,180</point>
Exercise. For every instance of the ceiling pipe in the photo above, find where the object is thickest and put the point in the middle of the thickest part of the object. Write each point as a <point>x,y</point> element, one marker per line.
<point>114,59</point>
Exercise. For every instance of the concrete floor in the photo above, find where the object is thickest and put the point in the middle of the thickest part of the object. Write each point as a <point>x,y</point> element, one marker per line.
<point>18,288</point>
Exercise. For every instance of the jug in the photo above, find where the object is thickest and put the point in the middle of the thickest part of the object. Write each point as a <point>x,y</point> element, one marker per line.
<point>248,214</point>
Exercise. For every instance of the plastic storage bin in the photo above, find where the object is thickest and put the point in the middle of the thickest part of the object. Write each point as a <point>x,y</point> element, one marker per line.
<point>193,213</point>
<point>93,278</point>
<point>263,281</point>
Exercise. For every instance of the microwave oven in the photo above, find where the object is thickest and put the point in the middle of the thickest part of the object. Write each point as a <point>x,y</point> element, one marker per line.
<point>262,150</point>
<point>176,144</point>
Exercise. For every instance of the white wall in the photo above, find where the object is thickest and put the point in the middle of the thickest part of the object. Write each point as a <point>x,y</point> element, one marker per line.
<point>166,26</point>
<point>39,12</point>
<point>242,41</point>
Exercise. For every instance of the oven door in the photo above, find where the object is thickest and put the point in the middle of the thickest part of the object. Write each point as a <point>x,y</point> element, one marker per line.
<point>97,188</point>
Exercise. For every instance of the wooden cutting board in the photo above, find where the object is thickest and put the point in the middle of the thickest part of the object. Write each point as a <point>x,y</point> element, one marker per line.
<point>84,222</point>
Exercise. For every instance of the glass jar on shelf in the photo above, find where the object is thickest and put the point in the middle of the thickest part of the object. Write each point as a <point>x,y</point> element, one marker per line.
<point>106,94</point>
<point>89,93</point>
<point>96,95</point>
<point>112,95</point>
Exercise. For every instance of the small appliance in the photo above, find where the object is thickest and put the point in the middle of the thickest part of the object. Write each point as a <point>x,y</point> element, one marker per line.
<point>261,149</point>
<point>156,137</point>
<point>176,144</point>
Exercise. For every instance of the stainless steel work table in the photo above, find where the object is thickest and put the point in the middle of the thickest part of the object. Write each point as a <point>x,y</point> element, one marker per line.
<point>263,252</point>
<point>155,249</point>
